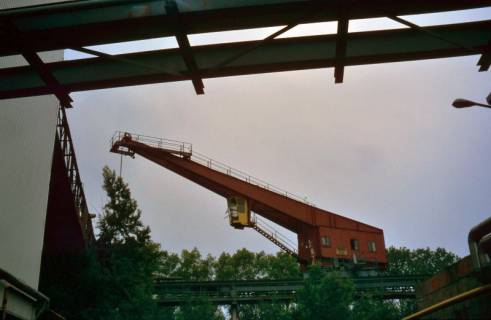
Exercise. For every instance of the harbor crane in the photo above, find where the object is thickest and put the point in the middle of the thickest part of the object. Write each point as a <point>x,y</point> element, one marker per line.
<point>324,237</point>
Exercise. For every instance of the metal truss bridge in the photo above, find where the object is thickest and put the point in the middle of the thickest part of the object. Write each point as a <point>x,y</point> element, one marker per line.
<point>176,292</point>
<point>78,24</point>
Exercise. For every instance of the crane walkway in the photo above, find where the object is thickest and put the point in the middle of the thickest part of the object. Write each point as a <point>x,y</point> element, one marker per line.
<point>185,150</point>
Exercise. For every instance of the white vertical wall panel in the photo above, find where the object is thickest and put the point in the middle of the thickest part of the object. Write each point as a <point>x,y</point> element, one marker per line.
<point>27,131</point>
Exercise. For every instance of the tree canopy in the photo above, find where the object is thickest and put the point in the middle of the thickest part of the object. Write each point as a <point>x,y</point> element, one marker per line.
<point>424,261</point>
<point>115,279</point>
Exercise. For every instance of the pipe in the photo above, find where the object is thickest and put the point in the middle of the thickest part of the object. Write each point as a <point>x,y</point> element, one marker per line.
<point>455,299</point>
<point>4,303</point>
<point>485,246</point>
<point>475,235</point>
<point>23,288</point>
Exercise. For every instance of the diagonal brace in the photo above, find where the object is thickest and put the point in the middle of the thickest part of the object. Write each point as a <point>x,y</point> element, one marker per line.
<point>185,47</point>
<point>41,68</point>
<point>483,63</point>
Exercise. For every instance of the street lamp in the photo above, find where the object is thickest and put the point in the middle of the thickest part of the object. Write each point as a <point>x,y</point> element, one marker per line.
<point>464,103</point>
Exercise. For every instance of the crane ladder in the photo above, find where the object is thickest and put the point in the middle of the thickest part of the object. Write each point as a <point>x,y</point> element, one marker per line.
<point>274,236</point>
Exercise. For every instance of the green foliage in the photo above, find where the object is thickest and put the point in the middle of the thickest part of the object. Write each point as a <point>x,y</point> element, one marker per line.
<point>117,281</point>
<point>423,261</point>
<point>403,261</point>
<point>197,310</point>
<point>266,311</point>
<point>276,311</point>
<point>76,285</point>
<point>246,265</point>
<point>280,266</point>
<point>128,257</point>
<point>191,266</point>
<point>120,222</point>
<point>368,308</point>
<point>325,295</point>
<point>243,265</point>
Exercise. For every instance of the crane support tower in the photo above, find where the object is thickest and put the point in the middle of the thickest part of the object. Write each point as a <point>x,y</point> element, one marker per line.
<point>323,236</point>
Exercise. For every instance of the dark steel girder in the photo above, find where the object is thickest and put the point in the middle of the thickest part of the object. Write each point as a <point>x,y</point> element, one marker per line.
<point>177,292</point>
<point>185,46</point>
<point>89,22</point>
<point>276,55</point>
<point>42,70</point>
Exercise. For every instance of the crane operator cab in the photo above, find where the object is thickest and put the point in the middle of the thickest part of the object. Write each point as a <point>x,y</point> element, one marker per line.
<point>238,212</point>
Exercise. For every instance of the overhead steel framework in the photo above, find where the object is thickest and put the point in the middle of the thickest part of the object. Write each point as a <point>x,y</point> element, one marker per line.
<point>78,24</point>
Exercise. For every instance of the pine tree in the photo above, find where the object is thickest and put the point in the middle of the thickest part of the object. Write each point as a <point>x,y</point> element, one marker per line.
<point>127,253</point>
<point>121,220</point>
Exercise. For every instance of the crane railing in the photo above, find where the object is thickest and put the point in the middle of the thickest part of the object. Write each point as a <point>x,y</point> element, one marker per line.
<point>180,147</point>
<point>185,149</point>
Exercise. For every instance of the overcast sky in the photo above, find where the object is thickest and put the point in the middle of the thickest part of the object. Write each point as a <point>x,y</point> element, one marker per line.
<point>385,147</point>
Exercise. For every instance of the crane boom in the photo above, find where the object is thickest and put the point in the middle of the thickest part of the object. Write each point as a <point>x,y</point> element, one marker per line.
<point>322,235</point>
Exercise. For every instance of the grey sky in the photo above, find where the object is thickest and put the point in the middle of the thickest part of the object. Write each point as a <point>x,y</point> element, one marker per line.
<point>385,147</point>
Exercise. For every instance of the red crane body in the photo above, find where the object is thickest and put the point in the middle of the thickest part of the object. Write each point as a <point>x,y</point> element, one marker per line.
<point>323,236</point>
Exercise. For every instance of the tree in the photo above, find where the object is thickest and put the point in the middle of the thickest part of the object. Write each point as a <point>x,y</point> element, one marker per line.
<point>325,295</point>
<point>404,261</point>
<point>198,310</point>
<point>121,220</point>
<point>368,308</point>
<point>192,267</point>
<point>128,255</point>
<point>79,294</point>
<point>280,266</point>
<point>424,261</point>
<point>246,265</point>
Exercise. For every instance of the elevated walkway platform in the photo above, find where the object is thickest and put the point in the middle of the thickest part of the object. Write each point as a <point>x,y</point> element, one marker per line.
<point>175,292</point>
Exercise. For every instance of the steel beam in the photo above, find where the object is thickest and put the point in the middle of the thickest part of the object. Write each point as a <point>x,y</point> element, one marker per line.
<point>341,43</point>
<point>173,293</point>
<point>183,42</point>
<point>93,22</point>
<point>485,60</point>
<point>37,64</point>
<point>276,55</point>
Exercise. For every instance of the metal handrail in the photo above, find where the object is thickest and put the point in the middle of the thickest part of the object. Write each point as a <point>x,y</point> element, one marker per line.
<point>168,144</point>
<point>218,166</point>
<point>275,234</point>
<point>187,149</point>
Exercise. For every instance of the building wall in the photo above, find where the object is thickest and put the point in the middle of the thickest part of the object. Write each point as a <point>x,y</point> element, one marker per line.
<point>27,131</point>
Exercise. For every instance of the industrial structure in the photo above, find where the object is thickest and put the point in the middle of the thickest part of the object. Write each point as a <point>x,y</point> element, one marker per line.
<point>78,24</point>
<point>43,195</point>
<point>178,292</point>
<point>323,236</point>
